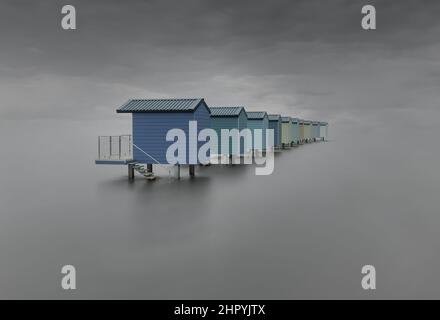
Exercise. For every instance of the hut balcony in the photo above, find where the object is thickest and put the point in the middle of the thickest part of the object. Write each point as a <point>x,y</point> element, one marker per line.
<point>115,149</point>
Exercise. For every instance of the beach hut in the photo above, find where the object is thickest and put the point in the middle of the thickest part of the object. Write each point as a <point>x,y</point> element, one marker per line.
<point>302,137</point>
<point>275,124</point>
<point>307,131</point>
<point>153,118</point>
<point>315,130</point>
<point>286,131</point>
<point>295,131</point>
<point>258,120</point>
<point>323,130</point>
<point>229,118</point>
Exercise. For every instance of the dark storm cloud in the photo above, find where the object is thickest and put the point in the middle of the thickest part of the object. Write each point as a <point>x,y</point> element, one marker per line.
<point>307,57</point>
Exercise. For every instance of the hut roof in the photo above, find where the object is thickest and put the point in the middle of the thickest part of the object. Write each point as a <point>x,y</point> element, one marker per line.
<point>274,117</point>
<point>226,111</point>
<point>256,115</point>
<point>160,105</point>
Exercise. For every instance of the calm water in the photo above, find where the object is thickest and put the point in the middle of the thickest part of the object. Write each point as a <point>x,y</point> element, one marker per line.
<point>303,232</point>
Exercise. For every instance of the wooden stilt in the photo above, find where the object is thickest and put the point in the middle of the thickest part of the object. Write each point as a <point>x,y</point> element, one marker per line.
<point>130,172</point>
<point>178,172</point>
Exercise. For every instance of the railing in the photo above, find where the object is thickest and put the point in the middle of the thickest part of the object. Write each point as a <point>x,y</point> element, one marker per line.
<point>115,147</point>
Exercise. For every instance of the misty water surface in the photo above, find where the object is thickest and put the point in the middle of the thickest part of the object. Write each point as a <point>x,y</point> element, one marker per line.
<point>365,197</point>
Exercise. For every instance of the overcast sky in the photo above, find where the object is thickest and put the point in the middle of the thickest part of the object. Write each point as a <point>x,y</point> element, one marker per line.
<point>307,58</point>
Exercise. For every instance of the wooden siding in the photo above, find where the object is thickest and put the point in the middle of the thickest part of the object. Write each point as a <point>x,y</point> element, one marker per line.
<point>308,131</point>
<point>323,132</point>
<point>296,135</point>
<point>259,124</point>
<point>240,123</point>
<point>315,131</point>
<point>286,132</point>
<point>276,126</point>
<point>150,129</point>
<point>302,134</point>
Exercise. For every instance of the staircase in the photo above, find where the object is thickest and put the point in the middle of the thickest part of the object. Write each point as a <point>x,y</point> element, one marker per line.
<point>143,170</point>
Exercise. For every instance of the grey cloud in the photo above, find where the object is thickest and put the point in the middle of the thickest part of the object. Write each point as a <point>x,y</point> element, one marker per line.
<point>310,58</point>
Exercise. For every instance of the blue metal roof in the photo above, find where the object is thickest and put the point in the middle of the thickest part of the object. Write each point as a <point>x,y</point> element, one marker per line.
<point>274,117</point>
<point>160,105</point>
<point>255,115</point>
<point>285,119</point>
<point>226,111</point>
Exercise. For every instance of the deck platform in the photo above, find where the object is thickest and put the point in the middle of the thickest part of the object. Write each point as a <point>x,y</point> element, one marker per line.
<point>114,161</point>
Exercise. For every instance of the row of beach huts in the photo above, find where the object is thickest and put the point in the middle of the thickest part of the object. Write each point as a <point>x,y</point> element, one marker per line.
<point>153,118</point>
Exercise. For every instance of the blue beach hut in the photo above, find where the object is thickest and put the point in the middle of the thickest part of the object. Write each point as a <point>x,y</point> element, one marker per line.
<point>153,118</point>
<point>229,118</point>
<point>258,120</point>
<point>275,124</point>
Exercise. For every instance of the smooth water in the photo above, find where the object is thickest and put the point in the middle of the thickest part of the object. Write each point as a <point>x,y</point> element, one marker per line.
<point>364,197</point>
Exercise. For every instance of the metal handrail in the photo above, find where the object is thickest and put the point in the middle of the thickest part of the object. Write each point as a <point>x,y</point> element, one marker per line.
<point>148,155</point>
<point>123,147</point>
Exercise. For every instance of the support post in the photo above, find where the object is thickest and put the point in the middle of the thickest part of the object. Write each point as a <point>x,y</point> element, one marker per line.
<point>150,168</point>
<point>192,172</point>
<point>119,146</point>
<point>178,171</point>
<point>130,172</point>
